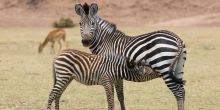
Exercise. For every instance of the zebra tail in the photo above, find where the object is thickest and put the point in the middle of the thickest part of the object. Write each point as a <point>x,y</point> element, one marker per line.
<point>172,68</point>
<point>177,80</point>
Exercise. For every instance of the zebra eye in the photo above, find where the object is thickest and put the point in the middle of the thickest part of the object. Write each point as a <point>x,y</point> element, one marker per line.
<point>92,23</point>
<point>81,23</point>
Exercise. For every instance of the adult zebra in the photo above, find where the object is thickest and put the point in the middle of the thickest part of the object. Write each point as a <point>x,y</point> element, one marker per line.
<point>164,51</point>
<point>90,69</point>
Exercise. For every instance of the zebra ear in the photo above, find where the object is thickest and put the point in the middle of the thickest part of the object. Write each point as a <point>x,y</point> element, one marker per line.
<point>79,9</point>
<point>93,9</point>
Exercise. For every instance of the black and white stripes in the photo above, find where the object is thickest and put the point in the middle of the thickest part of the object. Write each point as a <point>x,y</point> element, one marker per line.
<point>162,50</point>
<point>90,69</point>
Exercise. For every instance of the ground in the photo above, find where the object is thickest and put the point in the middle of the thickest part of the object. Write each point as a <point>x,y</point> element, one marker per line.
<point>26,76</point>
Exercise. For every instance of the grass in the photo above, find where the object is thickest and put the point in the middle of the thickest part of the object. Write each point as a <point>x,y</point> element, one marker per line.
<point>26,77</point>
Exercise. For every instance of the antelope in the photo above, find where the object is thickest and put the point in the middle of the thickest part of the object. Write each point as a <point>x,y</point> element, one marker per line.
<point>53,36</point>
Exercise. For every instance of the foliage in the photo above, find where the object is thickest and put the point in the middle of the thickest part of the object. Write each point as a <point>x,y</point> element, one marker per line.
<point>63,23</point>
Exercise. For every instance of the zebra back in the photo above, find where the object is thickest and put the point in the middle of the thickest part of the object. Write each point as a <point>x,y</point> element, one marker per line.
<point>90,68</point>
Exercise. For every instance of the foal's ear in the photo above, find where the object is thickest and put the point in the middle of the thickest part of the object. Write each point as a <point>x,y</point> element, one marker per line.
<point>79,9</point>
<point>93,9</point>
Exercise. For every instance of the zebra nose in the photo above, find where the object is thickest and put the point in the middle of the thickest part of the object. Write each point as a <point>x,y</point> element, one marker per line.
<point>86,36</point>
<point>86,42</point>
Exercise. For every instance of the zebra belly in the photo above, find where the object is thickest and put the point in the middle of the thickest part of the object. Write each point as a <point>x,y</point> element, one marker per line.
<point>138,79</point>
<point>160,62</point>
<point>157,50</point>
<point>89,78</point>
<point>88,82</point>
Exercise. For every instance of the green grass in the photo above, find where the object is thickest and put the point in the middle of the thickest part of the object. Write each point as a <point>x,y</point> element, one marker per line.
<point>26,77</point>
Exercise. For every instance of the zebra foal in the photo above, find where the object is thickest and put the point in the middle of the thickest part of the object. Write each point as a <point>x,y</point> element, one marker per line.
<point>90,69</point>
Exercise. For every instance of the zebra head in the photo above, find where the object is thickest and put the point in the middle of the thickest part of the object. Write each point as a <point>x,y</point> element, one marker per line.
<point>88,22</point>
<point>134,67</point>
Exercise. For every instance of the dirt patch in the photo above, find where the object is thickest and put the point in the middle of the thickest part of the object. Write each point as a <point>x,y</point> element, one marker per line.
<point>123,12</point>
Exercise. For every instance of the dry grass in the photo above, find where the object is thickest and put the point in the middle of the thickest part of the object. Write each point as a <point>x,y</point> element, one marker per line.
<point>26,78</point>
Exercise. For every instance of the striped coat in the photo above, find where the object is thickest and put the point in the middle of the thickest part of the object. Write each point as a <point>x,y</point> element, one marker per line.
<point>162,50</point>
<point>90,69</point>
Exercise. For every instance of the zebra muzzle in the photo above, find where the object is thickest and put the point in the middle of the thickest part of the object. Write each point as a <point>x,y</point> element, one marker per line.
<point>86,42</point>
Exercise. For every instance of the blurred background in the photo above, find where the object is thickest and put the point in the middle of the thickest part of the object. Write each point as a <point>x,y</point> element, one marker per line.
<point>26,76</point>
<point>121,12</point>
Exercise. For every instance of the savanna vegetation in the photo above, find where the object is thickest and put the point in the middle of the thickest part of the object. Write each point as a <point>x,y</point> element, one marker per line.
<point>26,77</point>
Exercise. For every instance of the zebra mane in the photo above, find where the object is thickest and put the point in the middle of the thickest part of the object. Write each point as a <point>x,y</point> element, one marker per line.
<point>110,25</point>
<point>86,8</point>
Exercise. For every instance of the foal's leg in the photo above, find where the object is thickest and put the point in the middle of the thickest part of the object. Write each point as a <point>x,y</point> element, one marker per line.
<point>109,89</point>
<point>120,94</point>
<point>59,86</point>
<point>57,99</point>
<point>50,100</point>
<point>53,95</point>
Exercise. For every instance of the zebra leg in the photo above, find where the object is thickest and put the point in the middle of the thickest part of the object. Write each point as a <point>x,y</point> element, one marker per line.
<point>57,102</point>
<point>57,99</point>
<point>59,87</point>
<point>51,99</point>
<point>177,89</point>
<point>53,95</point>
<point>120,94</point>
<point>109,89</point>
<point>180,100</point>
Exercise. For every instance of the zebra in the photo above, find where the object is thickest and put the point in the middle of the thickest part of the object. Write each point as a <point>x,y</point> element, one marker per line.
<point>162,50</point>
<point>91,69</point>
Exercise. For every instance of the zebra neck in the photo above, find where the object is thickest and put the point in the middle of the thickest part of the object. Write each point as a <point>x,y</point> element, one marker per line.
<point>108,39</point>
<point>113,43</point>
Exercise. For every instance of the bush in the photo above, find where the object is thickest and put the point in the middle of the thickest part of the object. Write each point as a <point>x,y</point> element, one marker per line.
<point>63,23</point>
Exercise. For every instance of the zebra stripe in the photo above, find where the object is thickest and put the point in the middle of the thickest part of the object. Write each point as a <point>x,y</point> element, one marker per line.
<point>162,50</point>
<point>90,69</point>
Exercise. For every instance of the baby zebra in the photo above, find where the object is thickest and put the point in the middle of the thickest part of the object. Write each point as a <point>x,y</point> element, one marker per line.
<point>90,69</point>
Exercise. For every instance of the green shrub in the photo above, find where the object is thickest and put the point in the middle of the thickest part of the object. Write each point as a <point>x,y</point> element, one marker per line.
<point>64,23</point>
